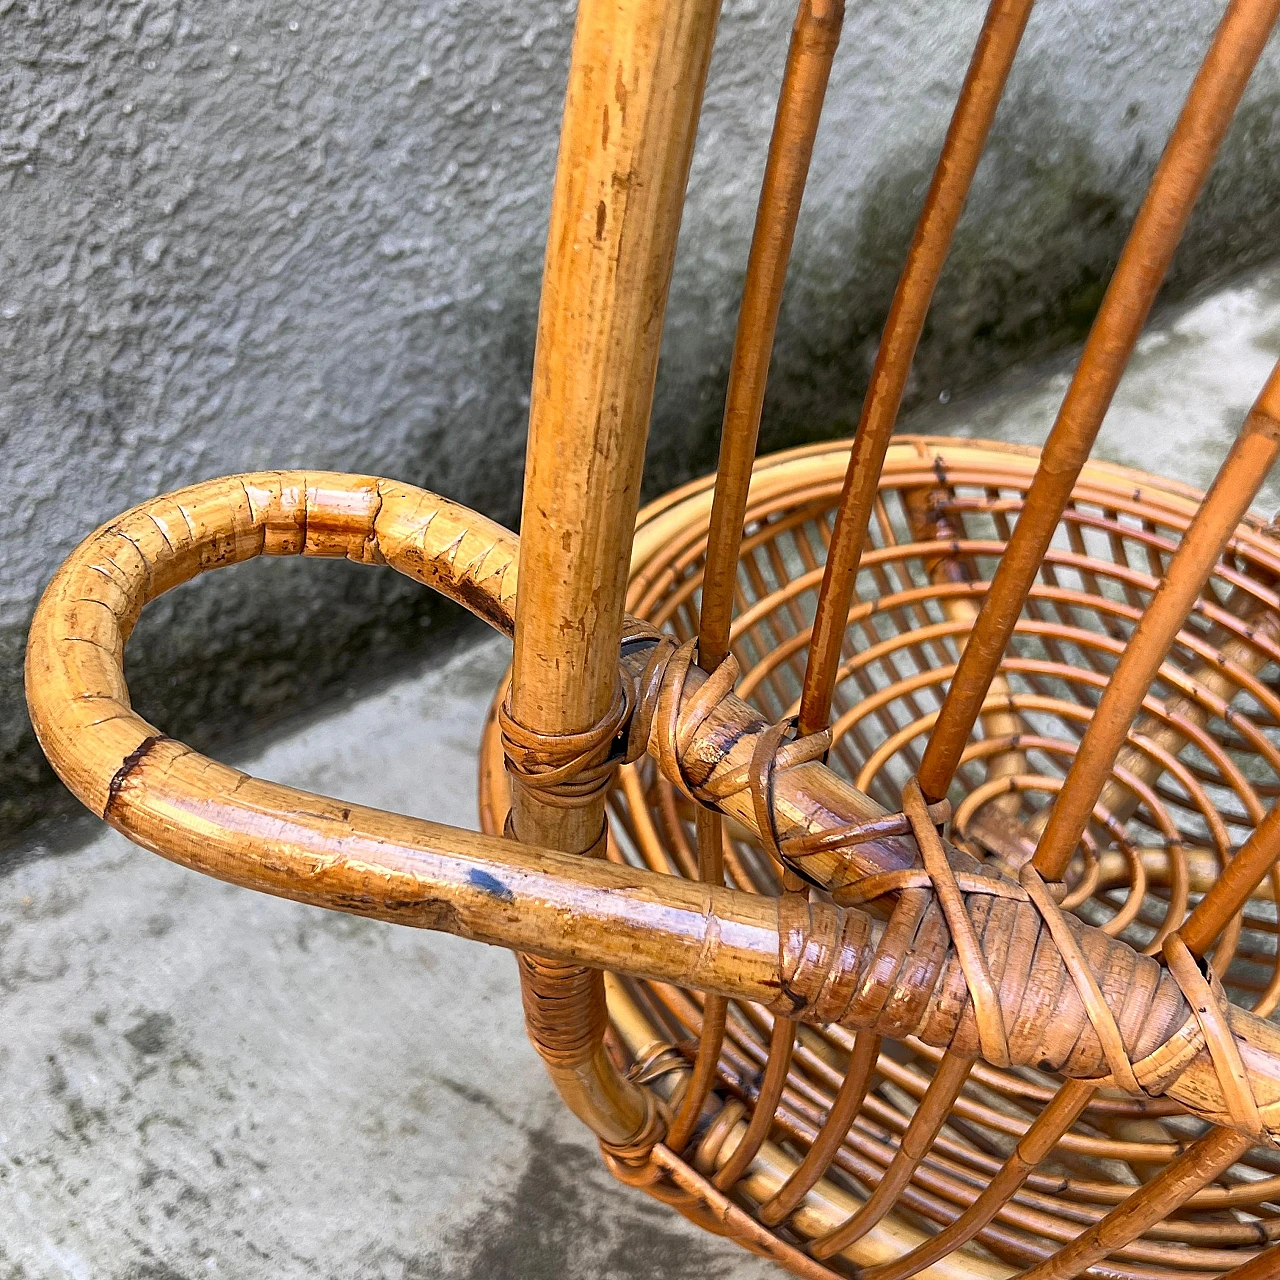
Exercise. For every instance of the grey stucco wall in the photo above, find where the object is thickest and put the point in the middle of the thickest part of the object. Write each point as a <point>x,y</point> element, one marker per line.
<point>260,234</point>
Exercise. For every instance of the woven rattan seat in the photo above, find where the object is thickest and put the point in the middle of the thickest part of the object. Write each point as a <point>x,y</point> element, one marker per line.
<point>886,830</point>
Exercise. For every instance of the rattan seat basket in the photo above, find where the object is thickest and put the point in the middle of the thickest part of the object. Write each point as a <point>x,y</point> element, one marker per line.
<point>1114,542</point>
<point>886,830</point>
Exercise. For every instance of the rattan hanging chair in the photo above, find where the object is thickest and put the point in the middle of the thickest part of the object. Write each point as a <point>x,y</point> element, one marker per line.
<point>890,828</point>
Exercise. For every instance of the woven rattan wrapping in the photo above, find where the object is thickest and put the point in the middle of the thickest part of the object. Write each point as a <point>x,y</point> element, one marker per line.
<point>1171,820</point>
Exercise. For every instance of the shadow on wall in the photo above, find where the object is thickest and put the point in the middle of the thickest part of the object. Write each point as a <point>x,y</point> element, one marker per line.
<point>1024,279</point>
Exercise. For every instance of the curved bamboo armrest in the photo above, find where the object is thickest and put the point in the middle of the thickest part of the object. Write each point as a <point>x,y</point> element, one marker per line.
<point>813,961</point>
<point>262,835</point>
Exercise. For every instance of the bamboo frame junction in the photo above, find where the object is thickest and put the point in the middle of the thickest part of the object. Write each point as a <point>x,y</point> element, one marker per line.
<point>890,828</point>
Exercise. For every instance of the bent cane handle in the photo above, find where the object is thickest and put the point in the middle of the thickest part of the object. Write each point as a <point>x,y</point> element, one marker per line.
<point>75,683</point>
<point>207,816</point>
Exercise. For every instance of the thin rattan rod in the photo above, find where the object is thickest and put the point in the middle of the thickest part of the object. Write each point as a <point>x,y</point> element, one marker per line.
<point>1040,1139</point>
<point>1151,1203</point>
<point>777,1065</point>
<point>966,137</point>
<point>1266,1266</point>
<point>710,832</point>
<point>848,1101</point>
<point>814,37</point>
<point>1237,483</point>
<point>932,1113</point>
<point>1177,183</point>
<point>1234,885</point>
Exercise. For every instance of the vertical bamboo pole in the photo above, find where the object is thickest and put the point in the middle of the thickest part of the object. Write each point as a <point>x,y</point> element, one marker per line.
<point>635,89</point>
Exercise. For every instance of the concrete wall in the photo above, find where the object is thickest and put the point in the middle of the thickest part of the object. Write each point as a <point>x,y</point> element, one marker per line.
<point>260,234</point>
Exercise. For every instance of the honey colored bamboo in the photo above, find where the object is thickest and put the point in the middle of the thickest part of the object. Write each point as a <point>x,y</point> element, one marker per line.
<point>636,78</point>
<point>1174,189</point>
<point>962,149</point>
<point>1237,483</point>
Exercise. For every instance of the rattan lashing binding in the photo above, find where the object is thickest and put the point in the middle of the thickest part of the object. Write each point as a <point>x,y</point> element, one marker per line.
<point>1111,637</point>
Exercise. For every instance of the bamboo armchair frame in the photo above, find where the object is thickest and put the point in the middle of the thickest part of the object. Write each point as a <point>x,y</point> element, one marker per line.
<point>878,1048</point>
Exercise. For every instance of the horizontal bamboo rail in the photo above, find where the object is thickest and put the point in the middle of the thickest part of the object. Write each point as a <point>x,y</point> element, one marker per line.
<point>809,964</point>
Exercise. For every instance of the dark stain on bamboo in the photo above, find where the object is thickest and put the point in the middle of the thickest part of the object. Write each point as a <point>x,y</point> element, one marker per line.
<point>490,885</point>
<point>130,763</point>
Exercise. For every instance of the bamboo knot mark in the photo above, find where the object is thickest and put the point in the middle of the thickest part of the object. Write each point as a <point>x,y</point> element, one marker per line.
<point>127,766</point>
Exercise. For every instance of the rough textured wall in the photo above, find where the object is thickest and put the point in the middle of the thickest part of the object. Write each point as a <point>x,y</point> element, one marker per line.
<point>260,234</point>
